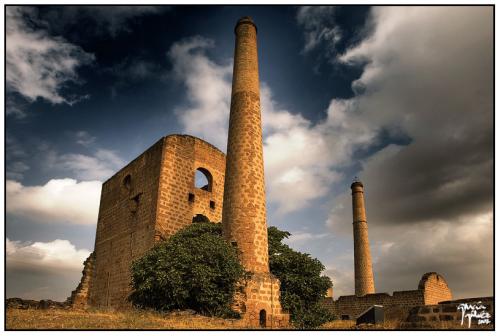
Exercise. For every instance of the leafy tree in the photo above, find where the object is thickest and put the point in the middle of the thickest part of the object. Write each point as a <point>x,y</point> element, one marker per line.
<point>197,269</point>
<point>302,285</point>
<point>194,269</point>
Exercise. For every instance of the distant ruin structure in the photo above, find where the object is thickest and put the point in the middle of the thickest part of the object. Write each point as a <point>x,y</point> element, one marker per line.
<point>432,288</point>
<point>147,201</point>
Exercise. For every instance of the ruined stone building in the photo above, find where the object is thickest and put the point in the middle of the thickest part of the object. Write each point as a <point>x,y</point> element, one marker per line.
<point>155,195</point>
<point>148,200</point>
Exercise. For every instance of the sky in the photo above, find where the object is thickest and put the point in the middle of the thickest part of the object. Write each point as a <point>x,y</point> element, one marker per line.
<point>401,97</point>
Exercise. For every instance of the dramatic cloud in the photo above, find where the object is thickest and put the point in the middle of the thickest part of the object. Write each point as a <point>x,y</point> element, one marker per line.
<point>460,250</point>
<point>64,201</point>
<point>319,27</point>
<point>100,166</point>
<point>425,83</point>
<point>43,270</point>
<point>39,65</point>
<point>295,152</point>
<point>446,170</point>
<point>208,90</point>
<point>56,256</point>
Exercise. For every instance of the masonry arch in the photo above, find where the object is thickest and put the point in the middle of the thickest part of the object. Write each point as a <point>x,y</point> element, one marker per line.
<point>203,179</point>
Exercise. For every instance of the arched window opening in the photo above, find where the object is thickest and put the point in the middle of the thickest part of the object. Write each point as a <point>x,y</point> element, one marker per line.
<point>199,218</point>
<point>262,318</point>
<point>127,182</point>
<point>203,179</point>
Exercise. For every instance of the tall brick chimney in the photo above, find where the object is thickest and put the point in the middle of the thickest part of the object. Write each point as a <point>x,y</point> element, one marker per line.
<point>244,207</point>
<point>363,273</point>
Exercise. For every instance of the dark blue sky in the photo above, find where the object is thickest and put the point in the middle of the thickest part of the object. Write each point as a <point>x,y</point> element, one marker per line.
<point>141,107</point>
<point>346,91</point>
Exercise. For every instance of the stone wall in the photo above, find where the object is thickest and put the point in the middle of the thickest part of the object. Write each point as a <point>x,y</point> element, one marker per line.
<point>79,297</point>
<point>147,201</point>
<point>435,288</point>
<point>447,312</point>
<point>259,301</point>
<point>178,199</point>
<point>432,286</point>
<point>125,226</point>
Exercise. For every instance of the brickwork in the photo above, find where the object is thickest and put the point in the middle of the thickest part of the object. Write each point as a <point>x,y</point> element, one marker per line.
<point>79,297</point>
<point>363,272</point>
<point>261,292</point>
<point>350,306</point>
<point>435,288</point>
<point>182,156</point>
<point>125,227</point>
<point>149,200</point>
<point>244,212</point>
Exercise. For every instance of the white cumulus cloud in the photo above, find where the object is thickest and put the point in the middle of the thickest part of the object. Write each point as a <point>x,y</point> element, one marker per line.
<point>208,90</point>
<point>100,166</point>
<point>65,201</point>
<point>318,24</point>
<point>297,156</point>
<point>55,256</point>
<point>39,65</point>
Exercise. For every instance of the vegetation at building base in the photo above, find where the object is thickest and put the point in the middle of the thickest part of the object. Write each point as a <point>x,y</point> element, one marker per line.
<point>194,269</point>
<point>302,285</point>
<point>197,269</point>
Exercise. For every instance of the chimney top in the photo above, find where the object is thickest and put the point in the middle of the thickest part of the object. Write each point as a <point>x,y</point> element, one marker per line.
<point>356,183</point>
<point>245,20</point>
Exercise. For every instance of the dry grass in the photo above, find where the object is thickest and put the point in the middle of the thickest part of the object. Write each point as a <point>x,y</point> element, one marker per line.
<point>134,319</point>
<point>350,324</point>
<point>140,319</point>
<point>339,324</point>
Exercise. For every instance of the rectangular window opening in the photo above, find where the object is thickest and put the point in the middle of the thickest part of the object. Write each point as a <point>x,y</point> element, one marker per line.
<point>212,204</point>
<point>191,197</point>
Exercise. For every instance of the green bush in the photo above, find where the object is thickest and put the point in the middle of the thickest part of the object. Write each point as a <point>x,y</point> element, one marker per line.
<point>195,269</point>
<point>302,285</point>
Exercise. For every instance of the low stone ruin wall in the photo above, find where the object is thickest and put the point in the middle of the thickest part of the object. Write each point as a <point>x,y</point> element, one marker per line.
<point>453,314</point>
